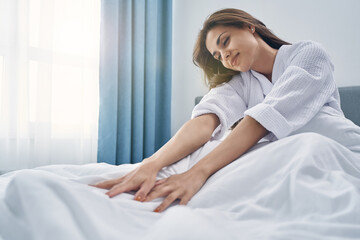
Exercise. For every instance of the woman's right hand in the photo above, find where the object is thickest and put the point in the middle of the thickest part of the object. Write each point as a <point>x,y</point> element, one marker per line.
<point>141,179</point>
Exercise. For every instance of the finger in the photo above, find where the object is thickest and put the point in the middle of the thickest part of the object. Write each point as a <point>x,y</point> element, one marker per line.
<point>108,184</point>
<point>143,191</point>
<point>159,191</point>
<point>161,181</point>
<point>168,200</point>
<point>184,200</point>
<point>120,188</point>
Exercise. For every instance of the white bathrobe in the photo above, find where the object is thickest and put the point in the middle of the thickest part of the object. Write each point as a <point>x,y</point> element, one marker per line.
<point>302,90</point>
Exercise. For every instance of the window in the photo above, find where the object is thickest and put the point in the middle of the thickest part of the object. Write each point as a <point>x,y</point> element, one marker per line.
<point>49,82</point>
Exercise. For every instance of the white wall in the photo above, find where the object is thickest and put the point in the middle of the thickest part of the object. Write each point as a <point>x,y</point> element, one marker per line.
<point>333,23</point>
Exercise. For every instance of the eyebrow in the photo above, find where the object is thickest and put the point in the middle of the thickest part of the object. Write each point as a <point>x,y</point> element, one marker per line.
<point>218,42</point>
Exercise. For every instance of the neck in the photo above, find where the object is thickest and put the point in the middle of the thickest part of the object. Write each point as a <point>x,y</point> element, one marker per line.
<point>265,59</point>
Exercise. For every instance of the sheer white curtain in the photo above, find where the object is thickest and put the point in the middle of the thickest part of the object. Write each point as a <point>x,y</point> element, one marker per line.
<point>49,72</point>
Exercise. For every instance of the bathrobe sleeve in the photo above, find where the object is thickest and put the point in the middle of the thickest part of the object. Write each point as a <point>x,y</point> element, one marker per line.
<point>226,103</point>
<point>299,93</point>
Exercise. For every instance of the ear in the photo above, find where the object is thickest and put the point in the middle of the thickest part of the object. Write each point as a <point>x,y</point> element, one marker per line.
<point>252,28</point>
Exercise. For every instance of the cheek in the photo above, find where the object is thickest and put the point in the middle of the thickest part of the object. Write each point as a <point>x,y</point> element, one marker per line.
<point>246,61</point>
<point>226,64</point>
<point>254,45</point>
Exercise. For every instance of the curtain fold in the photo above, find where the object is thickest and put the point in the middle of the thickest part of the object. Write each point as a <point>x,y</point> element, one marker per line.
<point>135,79</point>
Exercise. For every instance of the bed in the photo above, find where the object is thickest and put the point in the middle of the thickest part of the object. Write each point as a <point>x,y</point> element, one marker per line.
<point>305,186</point>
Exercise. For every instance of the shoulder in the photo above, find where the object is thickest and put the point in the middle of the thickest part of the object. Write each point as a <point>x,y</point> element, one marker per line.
<point>305,44</point>
<point>307,49</point>
<point>235,82</point>
<point>240,83</point>
<point>236,85</point>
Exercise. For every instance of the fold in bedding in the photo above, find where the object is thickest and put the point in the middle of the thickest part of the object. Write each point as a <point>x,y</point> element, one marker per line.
<point>305,186</point>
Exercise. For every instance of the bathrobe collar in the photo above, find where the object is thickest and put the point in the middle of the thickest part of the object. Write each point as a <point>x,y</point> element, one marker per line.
<point>266,85</point>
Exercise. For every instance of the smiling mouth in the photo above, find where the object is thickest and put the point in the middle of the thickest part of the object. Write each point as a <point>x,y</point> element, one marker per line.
<point>233,62</point>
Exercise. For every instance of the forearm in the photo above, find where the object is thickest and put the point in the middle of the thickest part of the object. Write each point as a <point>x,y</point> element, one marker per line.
<point>191,136</point>
<point>245,135</point>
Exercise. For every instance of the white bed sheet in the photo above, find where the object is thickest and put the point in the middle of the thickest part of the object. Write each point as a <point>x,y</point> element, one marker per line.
<point>306,186</point>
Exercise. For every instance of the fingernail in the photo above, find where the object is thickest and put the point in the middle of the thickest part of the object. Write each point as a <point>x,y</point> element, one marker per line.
<point>138,198</point>
<point>157,209</point>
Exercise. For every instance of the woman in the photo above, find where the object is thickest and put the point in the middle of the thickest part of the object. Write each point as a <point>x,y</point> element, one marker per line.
<point>274,87</point>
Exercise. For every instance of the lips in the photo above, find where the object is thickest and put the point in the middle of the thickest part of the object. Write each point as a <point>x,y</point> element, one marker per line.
<point>233,61</point>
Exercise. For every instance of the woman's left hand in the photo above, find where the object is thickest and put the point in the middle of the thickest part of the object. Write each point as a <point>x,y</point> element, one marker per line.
<point>179,186</point>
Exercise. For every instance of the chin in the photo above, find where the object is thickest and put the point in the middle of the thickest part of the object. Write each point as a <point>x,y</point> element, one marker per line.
<point>243,69</point>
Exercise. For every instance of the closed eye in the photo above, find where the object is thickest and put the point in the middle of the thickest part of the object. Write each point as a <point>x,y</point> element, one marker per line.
<point>224,44</point>
<point>226,41</point>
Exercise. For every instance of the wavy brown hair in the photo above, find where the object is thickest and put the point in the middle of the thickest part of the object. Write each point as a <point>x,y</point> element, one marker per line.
<point>215,72</point>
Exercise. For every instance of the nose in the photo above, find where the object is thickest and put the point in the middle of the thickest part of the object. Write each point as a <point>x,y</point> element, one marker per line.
<point>224,54</point>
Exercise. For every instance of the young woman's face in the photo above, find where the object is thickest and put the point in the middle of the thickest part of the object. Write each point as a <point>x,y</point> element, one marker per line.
<point>236,48</point>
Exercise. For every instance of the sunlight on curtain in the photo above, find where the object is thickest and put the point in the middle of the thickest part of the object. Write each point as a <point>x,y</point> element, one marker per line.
<point>49,77</point>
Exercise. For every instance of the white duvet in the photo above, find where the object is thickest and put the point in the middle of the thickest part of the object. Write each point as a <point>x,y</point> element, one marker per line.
<point>305,186</point>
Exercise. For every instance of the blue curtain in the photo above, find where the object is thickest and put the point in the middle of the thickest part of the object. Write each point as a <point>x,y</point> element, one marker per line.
<point>135,79</point>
